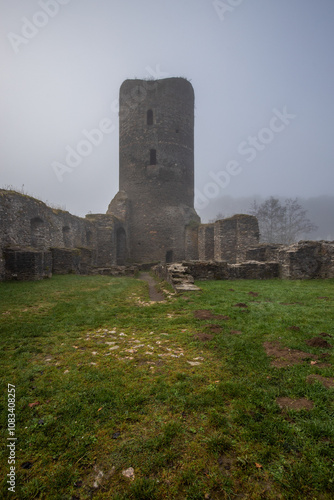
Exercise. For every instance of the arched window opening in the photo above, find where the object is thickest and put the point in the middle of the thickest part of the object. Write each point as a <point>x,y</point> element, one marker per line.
<point>153,157</point>
<point>150,117</point>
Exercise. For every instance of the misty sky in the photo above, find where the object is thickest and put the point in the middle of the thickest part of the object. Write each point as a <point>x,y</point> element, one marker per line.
<point>262,71</point>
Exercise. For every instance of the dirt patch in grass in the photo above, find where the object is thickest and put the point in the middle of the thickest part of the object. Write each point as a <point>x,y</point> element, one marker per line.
<point>235,332</point>
<point>294,328</point>
<point>318,342</point>
<point>326,381</point>
<point>291,303</point>
<point>253,294</point>
<point>206,314</point>
<point>204,337</point>
<point>240,304</point>
<point>226,464</point>
<point>295,404</point>
<point>215,328</point>
<point>285,356</point>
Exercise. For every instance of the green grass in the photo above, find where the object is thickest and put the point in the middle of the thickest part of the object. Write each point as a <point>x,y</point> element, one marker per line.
<point>194,419</point>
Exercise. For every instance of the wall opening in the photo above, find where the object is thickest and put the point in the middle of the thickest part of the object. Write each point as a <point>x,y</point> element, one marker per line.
<point>38,233</point>
<point>67,236</point>
<point>153,157</point>
<point>120,247</point>
<point>149,117</point>
<point>169,256</point>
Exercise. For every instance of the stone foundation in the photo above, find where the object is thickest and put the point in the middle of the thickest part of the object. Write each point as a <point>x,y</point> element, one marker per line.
<point>24,265</point>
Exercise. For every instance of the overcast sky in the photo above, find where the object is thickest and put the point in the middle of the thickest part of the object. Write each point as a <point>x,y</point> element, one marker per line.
<point>262,71</point>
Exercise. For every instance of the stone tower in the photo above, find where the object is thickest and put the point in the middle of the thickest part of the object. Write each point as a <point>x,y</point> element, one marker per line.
<point>156,170</point>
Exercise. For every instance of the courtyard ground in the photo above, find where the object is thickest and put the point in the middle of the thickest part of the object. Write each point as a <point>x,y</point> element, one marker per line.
<point>220,394</point>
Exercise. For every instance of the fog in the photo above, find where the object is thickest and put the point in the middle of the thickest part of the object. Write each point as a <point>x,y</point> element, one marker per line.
<point>262,71</point>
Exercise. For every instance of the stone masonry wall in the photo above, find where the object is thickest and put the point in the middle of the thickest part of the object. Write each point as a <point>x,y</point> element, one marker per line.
<point>233,236</point>
<point>156,170</point>
<point>29,229</point>
<point>302,260</point>
<point>206,245</point>
<point>307,260</point>
<point>29,223</point>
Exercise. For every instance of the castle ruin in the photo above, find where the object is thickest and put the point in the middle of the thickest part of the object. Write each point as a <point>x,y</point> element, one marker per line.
<point>152,218</point>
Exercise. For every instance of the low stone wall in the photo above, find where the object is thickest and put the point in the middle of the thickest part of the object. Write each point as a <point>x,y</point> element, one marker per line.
<point>302,260</point>
<point>65,261</point>
<point>29,229</point>
<point>182,275</point>
<point>27,264</point>
<point>263,253</point>
<point>207,270</point>
<point>253,270</point>
<point>307,260</point>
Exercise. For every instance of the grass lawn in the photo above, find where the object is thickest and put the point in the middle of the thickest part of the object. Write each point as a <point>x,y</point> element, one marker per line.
<point>117,398</point>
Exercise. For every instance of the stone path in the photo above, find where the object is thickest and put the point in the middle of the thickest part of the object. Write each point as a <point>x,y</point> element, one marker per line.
<point>155,296</point>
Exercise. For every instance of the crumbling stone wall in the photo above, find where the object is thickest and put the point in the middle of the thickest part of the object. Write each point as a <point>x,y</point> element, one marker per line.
<point>233,236</point>
<point>27,264</point>
<point>302,260</point>
<point>182,275</point>
<point>307,260</point>
<point>206,242</point>
<point>30,223</point>
<point>29,229</point>
<point>264,252</point>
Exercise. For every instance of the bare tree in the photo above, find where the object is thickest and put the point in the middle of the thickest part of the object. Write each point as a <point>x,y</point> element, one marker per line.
<point>281,223</point>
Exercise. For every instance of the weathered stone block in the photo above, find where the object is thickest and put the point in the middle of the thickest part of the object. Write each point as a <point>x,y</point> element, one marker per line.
<point>234,236</point>
<point>253,270</point>
<point>27,265</point>
<point>65,261</point>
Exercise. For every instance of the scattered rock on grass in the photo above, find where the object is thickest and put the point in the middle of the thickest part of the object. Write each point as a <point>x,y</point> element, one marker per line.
<point>129,473</point>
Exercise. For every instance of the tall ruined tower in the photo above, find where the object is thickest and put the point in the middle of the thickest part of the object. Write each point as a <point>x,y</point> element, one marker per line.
<point>156,170</point>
